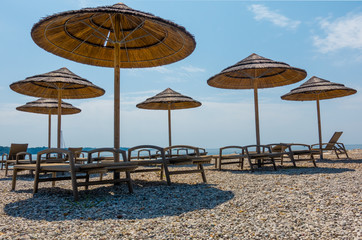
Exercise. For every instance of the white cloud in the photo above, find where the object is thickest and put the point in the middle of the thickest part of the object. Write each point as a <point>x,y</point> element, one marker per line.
<point>263,13</point>
<point>193,69</point>
<point>344,32</point>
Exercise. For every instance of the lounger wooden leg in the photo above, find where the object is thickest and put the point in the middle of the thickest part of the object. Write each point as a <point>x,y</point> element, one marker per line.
<point>54,175</point>
<point>216,162</point>
<point>219,163</point>
<point>314,163</point>
<point>293,160</point>
<point>36,182</point>
<point>167,174</point>
<point>116,175</point>
<point>274,166</point>
<point>251,165</point>
<point>74,185</point>
<point>13,184</point>
<point>87,181</point>
<point>161,173</point>
<point>6,169</point>
<point>129,182</point>
<point>202,172</point>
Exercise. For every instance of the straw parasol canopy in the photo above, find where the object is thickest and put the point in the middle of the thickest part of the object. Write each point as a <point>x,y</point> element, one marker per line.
<point>58,84</point>
<point>256,72</point>
<point>50,107</point>
<point>113,36</point>
<point>169,100</point>
<point>316,89</point>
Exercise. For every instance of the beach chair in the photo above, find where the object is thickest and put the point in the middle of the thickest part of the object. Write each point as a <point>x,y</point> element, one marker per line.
<point>67,164</point>
<point>150,163</point>
<point>260,155</point>
<point>225,157</point>
<point>186,155</point>
<point>17,155</point>
<point>279,148</point>
<point>333,145</point>
<point>301,152</point>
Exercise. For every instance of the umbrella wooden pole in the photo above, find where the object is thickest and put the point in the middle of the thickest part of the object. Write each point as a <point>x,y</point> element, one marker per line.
<point>256,113</point>
<point>49,129</point>
<point>256,106</point>
<point>117,94</point>
<point>319,128</point>
<point>117,91</point>
<point>59,117</point>
<point>169,125</point>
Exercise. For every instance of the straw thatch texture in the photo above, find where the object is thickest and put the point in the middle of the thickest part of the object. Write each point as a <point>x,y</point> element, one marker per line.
<point>169,99</point>
<point>266,72</point>
<point>88,36</point>
<point>48,105</point>
<point>47,85</point>
<point>318,87</point>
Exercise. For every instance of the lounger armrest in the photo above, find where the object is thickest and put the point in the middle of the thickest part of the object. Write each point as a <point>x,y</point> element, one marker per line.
<point>18,155</point>
<point>290,145</point>
<point>4,155</point>
<point>230,147</point>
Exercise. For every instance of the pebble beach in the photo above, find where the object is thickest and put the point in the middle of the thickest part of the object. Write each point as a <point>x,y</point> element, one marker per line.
<point>290,203</point>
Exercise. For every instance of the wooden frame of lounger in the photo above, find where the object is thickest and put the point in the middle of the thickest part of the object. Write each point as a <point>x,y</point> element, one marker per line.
<point>193,158</point>
<point>230,158</point>
<point>17,155</point>
<point>156,163</point>
<point>333,145</point>
<point>42,167</point>
<point>307,152</point>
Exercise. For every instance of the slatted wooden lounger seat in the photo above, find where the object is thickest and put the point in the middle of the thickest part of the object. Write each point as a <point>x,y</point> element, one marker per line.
<point>75,170</point>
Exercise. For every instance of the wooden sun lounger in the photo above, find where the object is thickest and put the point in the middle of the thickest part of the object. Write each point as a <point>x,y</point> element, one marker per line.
<point>191,157</point>
<point>234,158</point>
<point>42,166</point>
<point>333,145</point>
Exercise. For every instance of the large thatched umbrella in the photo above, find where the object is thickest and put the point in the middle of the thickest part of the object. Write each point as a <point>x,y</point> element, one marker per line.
<point>59,84</point>
<point>316,89</point>
<point>48,106</point>
<point>256,72</point>
<point>169,100</point>
<point>113,36</point>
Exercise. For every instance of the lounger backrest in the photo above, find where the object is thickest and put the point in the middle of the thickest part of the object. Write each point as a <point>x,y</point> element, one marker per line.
<point>16,148</point>
<point>333,140</point>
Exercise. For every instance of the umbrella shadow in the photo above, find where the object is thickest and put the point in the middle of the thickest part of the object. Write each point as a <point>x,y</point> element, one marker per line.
<point>290,170</point>
<point>345,160</point>
<point>149,200</point>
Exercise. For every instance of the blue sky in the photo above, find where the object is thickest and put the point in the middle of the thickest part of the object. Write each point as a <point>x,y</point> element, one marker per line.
<point>322,37</point>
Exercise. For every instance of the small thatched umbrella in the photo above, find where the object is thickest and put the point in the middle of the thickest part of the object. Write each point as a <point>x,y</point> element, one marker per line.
<point>59,84</point>
<point>48,106</point>
<point>169,100</point>
<point>256,72</point>
<point>316,89</point>
<point>114,36</point>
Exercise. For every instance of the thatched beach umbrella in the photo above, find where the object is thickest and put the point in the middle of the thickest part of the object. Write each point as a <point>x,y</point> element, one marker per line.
<point>113,36</point>
<point>59,84</point>
<point>48,106</point>
<point>169,100</point>
<point>256,72</point>
<point>316,89</point>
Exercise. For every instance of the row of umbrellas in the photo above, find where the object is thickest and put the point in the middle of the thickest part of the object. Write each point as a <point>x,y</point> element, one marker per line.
<point>120,37</point>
